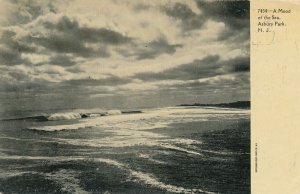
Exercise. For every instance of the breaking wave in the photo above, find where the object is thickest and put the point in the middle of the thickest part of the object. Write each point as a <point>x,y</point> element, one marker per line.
<point>149,119</point>
<point>64,116</point>
<point>73,115</point>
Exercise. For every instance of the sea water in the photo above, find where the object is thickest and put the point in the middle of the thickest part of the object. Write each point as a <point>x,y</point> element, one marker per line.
<point>162,150</point>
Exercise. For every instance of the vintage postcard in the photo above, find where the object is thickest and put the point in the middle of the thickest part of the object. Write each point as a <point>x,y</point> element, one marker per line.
<point>136,96</point>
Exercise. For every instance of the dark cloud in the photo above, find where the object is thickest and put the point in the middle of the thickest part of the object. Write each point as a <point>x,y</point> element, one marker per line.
<point>64,43</point>
<point>109,81</point>
<point>74,69</point>
<point>235,15</point>
<point>28,10</point>
<point>156,48</point>
<point>195,70</point>
<point>188,18</point>
<point>61,60</point>
<point>20,81</point>
<point>11,49</point>
<point>71,38</point>
<point>67,36</point>
<point>9,57</point>
<point>17,80</point>
<point>239,64</point>
<point>207,67</point>
<point>180,11</point>
<point>85,34</point>
<point>9,40</point>
<point>66,40</point>
<point>236,82</point>
<point>150,50</point>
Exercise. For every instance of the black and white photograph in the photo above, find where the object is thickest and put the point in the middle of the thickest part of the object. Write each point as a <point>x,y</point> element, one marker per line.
<point>124,96</point>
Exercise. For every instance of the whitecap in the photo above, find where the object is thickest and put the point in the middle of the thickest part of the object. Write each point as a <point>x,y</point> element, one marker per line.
<point>64,116</point>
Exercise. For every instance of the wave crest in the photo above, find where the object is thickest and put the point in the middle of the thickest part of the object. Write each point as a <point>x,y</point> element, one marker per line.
<point>64,116</point>
<point>74,115</point>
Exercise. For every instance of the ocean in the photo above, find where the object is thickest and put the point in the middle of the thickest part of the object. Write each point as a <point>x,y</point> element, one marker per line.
<point>157,150</point>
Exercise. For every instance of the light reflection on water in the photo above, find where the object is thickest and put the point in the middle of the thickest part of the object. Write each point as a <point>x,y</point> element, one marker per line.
<point>176,150</point>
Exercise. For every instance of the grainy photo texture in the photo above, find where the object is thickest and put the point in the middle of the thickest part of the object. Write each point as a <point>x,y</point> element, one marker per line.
<point>124,96</point>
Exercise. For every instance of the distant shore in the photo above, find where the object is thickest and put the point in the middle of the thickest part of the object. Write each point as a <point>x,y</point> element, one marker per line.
<point>238,104</point>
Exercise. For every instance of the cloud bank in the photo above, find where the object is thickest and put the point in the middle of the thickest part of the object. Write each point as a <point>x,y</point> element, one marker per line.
<point>124,48</point>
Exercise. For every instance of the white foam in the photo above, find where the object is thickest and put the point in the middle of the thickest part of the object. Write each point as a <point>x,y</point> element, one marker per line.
<point>152,181</point>
<point>65,178</point>
<point>111,162</point>
<point>95,114</point>
<point>64,116</point>
<point>114,112</point>
<point>172,147</point>
<point>71,183</point>
<point>11,173</point>
<point>68,181</point>
<point>77,114</point>
<point>129,130</point>
<point>185,141</point>
<point>150,119</point>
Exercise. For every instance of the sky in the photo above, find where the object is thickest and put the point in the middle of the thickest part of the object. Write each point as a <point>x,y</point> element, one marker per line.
<point>127,53</point>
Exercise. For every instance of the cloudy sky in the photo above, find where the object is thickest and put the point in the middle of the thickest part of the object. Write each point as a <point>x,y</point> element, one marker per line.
<point>127,53</point>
